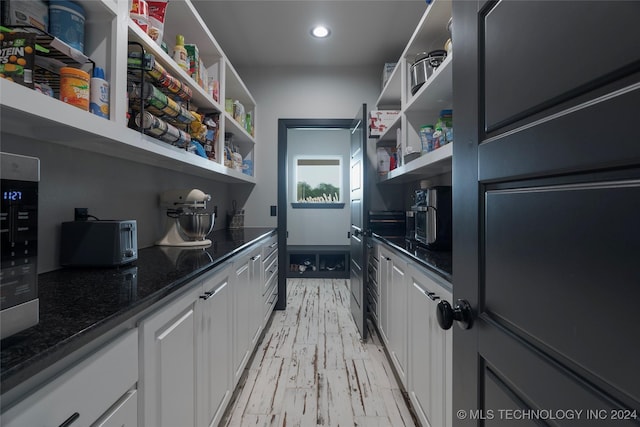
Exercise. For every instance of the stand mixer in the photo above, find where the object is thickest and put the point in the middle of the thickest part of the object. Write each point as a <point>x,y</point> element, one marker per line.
<point>189,224</point>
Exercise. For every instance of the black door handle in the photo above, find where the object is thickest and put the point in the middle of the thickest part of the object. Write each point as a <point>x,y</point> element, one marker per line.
<point>461,313</point>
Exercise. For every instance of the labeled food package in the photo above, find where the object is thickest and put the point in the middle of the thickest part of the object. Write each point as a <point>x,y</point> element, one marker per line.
<point>74,87</point>
<point>66,22</point>
<point>239,112</point>
<point>381,120</point>
<point>139,14</point>
<point>214,89</point>
<point>157,11</point>
<point>197,129</point>
<point>17,55</point>
<point>34,13</point>
<point>193,61</point>
<point>99,94</point>
<point>211,121</point>
<point>203,75</point>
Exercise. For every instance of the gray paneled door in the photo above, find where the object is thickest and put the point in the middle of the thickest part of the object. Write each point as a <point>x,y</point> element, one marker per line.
<point>359,219</point>
<point>546,181</point>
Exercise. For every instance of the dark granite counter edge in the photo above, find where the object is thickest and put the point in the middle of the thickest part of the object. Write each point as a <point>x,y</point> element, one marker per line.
<point>446,275</point>
<point>43,360</point>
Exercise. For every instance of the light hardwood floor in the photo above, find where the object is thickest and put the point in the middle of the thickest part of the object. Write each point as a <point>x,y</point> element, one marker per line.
<point>311,369</point>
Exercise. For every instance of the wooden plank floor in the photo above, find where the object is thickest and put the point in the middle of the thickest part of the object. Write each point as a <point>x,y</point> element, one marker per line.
<point>311,369</point>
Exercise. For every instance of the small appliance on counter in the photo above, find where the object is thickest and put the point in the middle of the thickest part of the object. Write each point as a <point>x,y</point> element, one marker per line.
<point>433,211</point>
<point>19,303</point>
<point>387,223</point>
<point>410,225</point>
<point>99,243</point>
<point>189,224</point>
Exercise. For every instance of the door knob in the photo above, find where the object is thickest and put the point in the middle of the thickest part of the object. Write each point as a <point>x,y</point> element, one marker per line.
<point>461,313</point>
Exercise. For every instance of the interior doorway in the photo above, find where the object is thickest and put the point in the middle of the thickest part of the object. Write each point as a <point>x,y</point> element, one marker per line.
<point>311,199</point>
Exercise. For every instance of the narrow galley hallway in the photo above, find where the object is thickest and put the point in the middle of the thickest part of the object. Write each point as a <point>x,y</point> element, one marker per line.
<point>311,369</point>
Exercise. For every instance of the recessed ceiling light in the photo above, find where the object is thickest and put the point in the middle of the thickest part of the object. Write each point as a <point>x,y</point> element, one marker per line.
<point>320,32</point>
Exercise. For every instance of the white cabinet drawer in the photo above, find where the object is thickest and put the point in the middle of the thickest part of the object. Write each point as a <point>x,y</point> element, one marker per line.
<point>122,414</point>
<point>270,273</point>
<point>270,298</point>
<point>84,392</point>
<point>270,247</point>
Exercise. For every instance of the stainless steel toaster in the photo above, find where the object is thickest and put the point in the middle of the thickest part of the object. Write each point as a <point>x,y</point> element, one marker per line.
<point>98,243</point>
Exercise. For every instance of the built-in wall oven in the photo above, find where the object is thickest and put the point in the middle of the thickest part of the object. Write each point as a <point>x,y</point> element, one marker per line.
<point>19,306</point>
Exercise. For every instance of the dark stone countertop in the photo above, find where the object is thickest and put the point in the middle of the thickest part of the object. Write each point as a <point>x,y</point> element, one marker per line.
<point>78,305</point>
<point>440,262</point>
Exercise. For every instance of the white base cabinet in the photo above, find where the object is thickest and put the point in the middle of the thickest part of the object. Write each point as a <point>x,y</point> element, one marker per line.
<point>185,359</point>
<point>420,351</point>
<point>393,316</point>
<point>179,367</point>
<point>247,307</point>
<point>81,395</point>
<point>430,352</point>
<point>214,376</point>
<point>168,364</point>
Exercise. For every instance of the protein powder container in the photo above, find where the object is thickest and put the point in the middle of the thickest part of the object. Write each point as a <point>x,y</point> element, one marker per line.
<point>66,22</point>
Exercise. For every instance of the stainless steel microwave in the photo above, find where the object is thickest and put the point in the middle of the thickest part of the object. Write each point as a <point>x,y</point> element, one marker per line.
<point>19,304</point>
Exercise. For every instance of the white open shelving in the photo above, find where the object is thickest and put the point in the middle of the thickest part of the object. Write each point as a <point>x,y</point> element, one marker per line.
<point>424,106</point>
<point>27,113</point>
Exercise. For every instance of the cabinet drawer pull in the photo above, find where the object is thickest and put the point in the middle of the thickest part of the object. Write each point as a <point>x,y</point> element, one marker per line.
<point>273,245</point>
<point>70,420</point>
<point>207,295</point>
<point>432,296</point>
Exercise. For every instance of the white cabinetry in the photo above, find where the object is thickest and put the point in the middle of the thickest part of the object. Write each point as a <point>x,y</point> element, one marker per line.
<point>269,276</point>
<point>215,367</point>
<point>185,358</point>
<point>424,106</point>
<point>430,351</point>
<point>27,113</point>
<point>393,284</point>
<point>247,307</point>
<point>123,414</point>
<point>182,18</point>
<point>421,352</point>
<point>168,363</point>
<point>384,281</point>
<point>102,383</point>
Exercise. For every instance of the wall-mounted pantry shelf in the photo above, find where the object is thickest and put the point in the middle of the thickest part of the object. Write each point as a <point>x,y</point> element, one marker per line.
<point>424,106</point>
<point>27,113</point>
<point>200,97</point>
<point>430,164</point>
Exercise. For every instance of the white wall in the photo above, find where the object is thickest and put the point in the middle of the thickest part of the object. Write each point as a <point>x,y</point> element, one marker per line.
<point>295,93</point>
<point>318,226</point>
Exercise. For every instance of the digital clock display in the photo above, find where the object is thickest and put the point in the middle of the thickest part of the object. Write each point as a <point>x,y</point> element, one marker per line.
<point>13,195</point>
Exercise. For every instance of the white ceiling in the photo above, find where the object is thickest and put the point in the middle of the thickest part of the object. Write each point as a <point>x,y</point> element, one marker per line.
<point>276,33</point>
